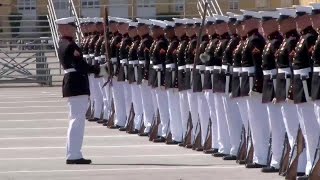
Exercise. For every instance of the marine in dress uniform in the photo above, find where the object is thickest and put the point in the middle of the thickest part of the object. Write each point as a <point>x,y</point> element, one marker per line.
<point>201,126</point>
<point>95,89</point>
<point>156,77</point>
<point>117,87</point>
<point>207,87</point>
<point>251,85</point>
<point>75,87</point>
<point>171,84</point>
<point>233,116</point>
<point>269,25</point>
<point>122,74</point>
<point>284,58</point>
<point>133,64</point>
<point>302,67</point>
<point>143,73</point>
<point>189,56</point>
<point>180,32</point>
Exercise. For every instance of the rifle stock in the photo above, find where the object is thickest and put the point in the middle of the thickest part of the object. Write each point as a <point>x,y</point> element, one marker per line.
<point>208,142</point>
<point>130,123</point>
<point>242,151</point>
<point>293,166</point>
<point>285,156</point>
<point>154,128</point>
<point>187,137</point>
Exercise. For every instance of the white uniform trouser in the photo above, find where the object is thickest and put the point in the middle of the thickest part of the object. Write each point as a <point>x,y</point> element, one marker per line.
<point>234,123</point>
<point>91,87</point>
<point>291,123</point>
<point>310,130</point>
<point>137,105</point>
<point>175,115</point>
<point>127,98</point>
<point>259,124</point>
<point>204,115</point>
<point>77,115</point>
<point>243,108</point>
<point>148,106</point>
<point>214,124</point>
<point>162,102</point>
<point>223,134</point>
<point>193,106</point>
<point>278,133</point>
<point>119,103</point>
<point>184,109</point>
<point>98,98</point>
<point>107,98</point>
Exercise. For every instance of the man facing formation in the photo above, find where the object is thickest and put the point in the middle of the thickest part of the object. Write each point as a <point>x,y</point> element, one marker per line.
<point>252,96</point>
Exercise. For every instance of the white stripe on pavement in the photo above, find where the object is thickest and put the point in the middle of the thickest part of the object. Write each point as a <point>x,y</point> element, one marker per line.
<point>127,156</point>
<point>15,113</point>
<point>31,120</point>
<point>89,147</point>
<point>20,102</point>
<point>46,128</point>
<point>20,107</point>
<point>64,137</point>
<point>123,169</point>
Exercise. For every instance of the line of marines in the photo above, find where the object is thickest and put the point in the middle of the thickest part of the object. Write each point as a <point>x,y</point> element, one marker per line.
<point>251,96</point>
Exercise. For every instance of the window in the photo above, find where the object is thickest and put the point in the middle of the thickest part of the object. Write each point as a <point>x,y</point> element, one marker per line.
<point>179,5</point>
<point>146,3</point>
<point>27,4</point>
<point>90,4</point>
<point>233,4</point>
<point>60,4</point>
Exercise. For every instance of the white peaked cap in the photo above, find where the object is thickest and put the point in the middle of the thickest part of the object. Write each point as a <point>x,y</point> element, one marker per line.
<point>66,20</point>
<point>158,23</point>
<point>123,20</point>
<point>222,18</point>
<point>169,23</point>
<point>287,12</point>
<point>306,9</point>
<point>315,6</point>
<point>181,21</point>
<point>250,13</point>
<point>231,14</point>
<point>133,24</point>
<point>197,20</point>
<point>272,14</point>
<point>144,21</point>
<point>189,21</point>
<point>97,19</point>
<point>239,17</point>
<point>211,19</point>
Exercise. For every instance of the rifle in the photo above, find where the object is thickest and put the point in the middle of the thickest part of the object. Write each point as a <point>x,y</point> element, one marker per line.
<point>130,121</point>
<point>197,141</point>
<point>187,136</point>
<point>314,173</point>
<point>154,127</point>
<point>208,143</point>
<point>285,156</point>
<point>250,149</point>
<point>107,47</point>
<point>242,150</point>
<point>299,146</point>
<point>269,157</point>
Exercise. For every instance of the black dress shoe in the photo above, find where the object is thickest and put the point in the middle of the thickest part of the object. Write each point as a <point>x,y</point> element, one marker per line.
<point>210,151</point>
<point>199,149</point>
<point>189,146</point>
<point>254,165</point>
<point>302,177</point>
<point>93,119</point>
<point>79,161</point>
<point>269,169</point>
<point>136,131</point>
<point>181,144</point>
<point>160,140</point>
<point>143,134</point>
<point>172,142</point>
<point>115,127</point>
<point>229,158</point>
<point>102,121</point>
<point>218,154</point>
<point>123,129</point>
<point>241,162</point>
